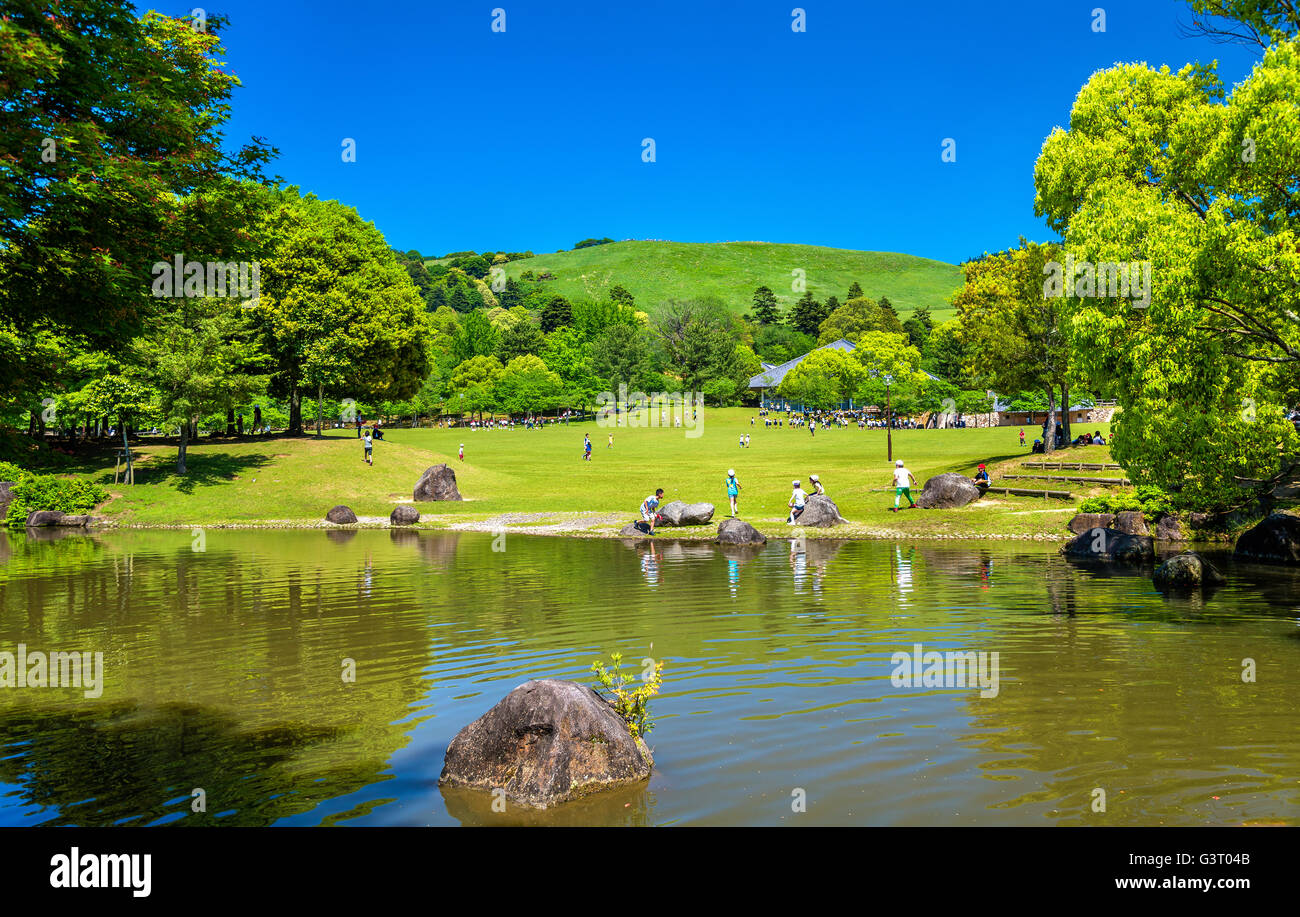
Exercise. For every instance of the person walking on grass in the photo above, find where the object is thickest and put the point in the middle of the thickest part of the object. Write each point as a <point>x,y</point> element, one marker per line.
<point>1022,437</point>
<point>462,452</point>
<point>733,490</point>
<point>586,448</point>
<point>746,440</point>
<point>902,481</point>
<point>610,445</point>
<point>369,444</point>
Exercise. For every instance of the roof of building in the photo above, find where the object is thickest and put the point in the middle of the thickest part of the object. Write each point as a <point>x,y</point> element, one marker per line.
<point>771,376</point>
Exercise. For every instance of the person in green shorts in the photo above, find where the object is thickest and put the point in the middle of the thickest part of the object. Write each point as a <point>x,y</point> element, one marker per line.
<point>902,481</point>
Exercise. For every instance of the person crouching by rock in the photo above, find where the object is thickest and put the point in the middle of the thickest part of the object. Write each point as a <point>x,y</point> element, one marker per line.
<point>798,497</point>
<point>981,479</point>
<point>818,490</point>
<point>649,512</point>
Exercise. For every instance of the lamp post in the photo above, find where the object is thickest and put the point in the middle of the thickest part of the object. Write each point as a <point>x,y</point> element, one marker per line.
<point>889,421</point>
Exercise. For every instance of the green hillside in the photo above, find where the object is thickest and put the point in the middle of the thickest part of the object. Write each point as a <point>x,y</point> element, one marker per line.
<point>659,271</point>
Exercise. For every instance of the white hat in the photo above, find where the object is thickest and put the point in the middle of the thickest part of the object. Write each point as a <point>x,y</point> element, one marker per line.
<point>812,477</point>
<point>899,463</point>
<point>731,472</point>
<point>795,483</point>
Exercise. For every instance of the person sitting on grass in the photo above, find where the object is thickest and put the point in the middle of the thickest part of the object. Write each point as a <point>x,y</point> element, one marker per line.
<point>649,511</point>
<point>902,478</point>
<point>981,478</point>
<point>798,497</point>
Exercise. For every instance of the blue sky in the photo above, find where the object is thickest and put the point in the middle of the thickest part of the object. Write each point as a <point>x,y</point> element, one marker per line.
<point>532,138</point>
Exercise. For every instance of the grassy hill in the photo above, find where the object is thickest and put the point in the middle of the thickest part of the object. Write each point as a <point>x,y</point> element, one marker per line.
<point>659,271</point>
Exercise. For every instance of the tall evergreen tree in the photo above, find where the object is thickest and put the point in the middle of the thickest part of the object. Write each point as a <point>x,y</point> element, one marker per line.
<point>855,291</point>
<point>557,314</point>
<point>807,314</point>
<point>766,309</point>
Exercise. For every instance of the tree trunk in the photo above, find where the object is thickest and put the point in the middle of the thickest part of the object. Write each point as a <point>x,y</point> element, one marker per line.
<point>1049,425</point>
<point>295,411</point>
<point>230,420</point>
<point>185,442</point>
<point>1065,409</point>
<point>320,406</point>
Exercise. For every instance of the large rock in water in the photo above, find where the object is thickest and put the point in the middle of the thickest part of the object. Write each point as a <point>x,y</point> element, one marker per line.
<point>947,491</point>
<point>1110,545</point>
<point>44,517</point>
<point>1276,540</point>
<point>341,515</point>
<point>545,742</point>
<point>437,483</point>
<point>821,512</point>
<point>734,531</point>
<point>1086,522</point>
<point>404,514</point>
<point>679,513</point>
<point>1187,571</point>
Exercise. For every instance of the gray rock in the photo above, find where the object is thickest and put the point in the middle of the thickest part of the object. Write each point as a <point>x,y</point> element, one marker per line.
<point>1132,523</point>
<point>1275,540</point>
<point>341,515</point>
<point>1086,522</point>
<point>1169,527</point>
<point>735,531</point>
<point>6,497</point>
<point>404,514</point>
<point>545,742</point>
<point>1111,546</point>
<point>75,521</point>
<point>679,513</point>
<point>631,531</point>
<point>820,512</point>
<point>1187,571</point>
<point>948,491</point>
<point>44,517</point>
<point>437,483</point>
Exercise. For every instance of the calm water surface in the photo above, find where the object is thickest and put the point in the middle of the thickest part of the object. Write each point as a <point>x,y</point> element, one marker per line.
<point>222,670</point>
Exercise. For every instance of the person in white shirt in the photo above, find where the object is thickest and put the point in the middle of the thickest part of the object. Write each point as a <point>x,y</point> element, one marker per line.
<point>798,497</point>
<point>902,479</point>
<point>818,490</point>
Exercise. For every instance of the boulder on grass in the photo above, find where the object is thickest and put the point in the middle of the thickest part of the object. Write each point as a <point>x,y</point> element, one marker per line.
<point>545,742</point>
<point>341,515</point>
<point>1276,540</point>
<point>1188,570</point>
<point>679,513</point>
<point>73,522</point>
<point>404,514</point>
<point>1086,522</point>
<point>821,512</point>
<point>437,483</point>
<point>948,491</point>
<point>631,530</point>
<point>44,517</point>
<point>734,531</point>
<point>1131,523</point>
<point>1110,546</point>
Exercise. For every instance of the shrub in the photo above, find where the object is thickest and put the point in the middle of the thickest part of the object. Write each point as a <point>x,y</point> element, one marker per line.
<point>1152,502</point>
<point>10,472</point>
<point>49,492</point>
<point>632,705</point>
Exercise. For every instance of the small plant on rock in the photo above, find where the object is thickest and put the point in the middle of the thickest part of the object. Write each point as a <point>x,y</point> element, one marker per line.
<point>632,704</point>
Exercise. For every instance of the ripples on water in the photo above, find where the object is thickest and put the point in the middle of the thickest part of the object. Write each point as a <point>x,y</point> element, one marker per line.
<point>223,671</point>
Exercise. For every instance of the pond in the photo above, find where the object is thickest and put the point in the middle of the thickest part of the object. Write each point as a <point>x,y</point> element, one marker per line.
<point>224,652</point>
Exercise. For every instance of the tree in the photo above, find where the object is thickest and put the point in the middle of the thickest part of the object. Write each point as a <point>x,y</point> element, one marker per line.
<point>918,328</point>
<point>621,354</point>
<point>766,309</point>
<point>853,319</point>
<point>1014,337</point>
<point>855,292</point>
<point>1160,172</point>
<point>336,311</point>
<point>520,338</point>
<point>473,384</point>
<point>527,385</point>
<point>197,360</point>
<point>474,337</point>
<point>621,296</point>
<point>823,379</point>
<point>557,314</point>
<point>892,367</point>
<point>807,314</point>
<point>111,135</point>
<point>697,338</point>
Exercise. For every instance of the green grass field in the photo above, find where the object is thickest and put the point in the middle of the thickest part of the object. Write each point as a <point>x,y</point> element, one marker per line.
<point>659,271</point>
<point>295,480</point>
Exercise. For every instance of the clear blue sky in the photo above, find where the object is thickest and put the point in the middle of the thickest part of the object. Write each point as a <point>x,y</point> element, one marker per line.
<point>532,138</point>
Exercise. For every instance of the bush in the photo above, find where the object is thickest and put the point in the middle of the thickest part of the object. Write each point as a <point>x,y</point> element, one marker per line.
<point>10,472</point>
<point>49,492</point>
<point>1152,502</point>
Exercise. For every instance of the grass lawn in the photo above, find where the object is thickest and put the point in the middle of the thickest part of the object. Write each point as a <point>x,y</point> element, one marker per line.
<point>542,472</point>
<point>655,272</point>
